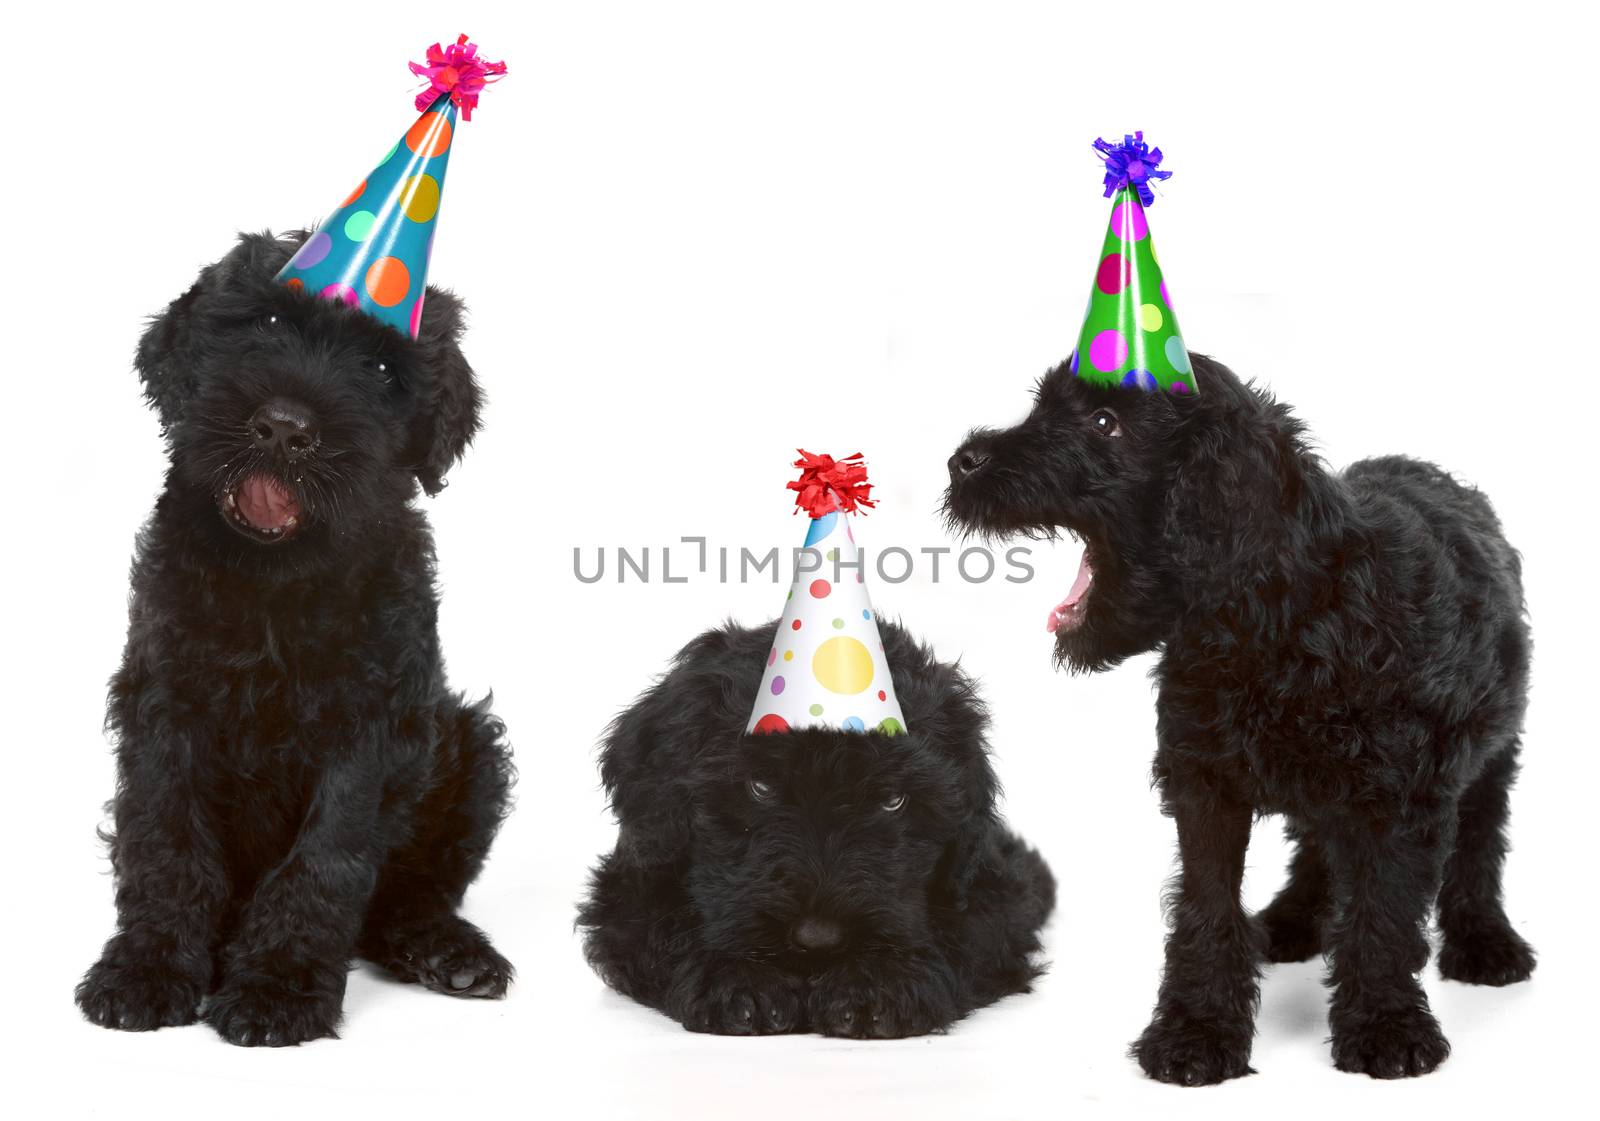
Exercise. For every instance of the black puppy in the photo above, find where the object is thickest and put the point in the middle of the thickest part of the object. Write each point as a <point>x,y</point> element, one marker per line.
<point>849,883</point>
<point>1346,649</point>
<point>296,784</point>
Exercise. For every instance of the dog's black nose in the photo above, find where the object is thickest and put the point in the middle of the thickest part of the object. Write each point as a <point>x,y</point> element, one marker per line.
<point>966,461</point>
<point>285,427</point>
<point>816,935</point>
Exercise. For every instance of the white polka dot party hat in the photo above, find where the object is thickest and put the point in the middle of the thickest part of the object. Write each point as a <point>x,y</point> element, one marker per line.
<point>372,252</point>
<point>827,667</point>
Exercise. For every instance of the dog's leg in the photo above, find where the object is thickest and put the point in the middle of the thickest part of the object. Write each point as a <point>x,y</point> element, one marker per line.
<point>172,891</point>
<point>1294,919</point>
<point>284,974</point>
<point>1204,1016</point>
<point>1384,886</point>
<point>411,929</point>
<point>413,932</point>
<point>731,995</point>
<point>1480,947</point>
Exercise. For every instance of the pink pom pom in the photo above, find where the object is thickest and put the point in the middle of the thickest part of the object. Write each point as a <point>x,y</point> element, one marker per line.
<point>458,72</point>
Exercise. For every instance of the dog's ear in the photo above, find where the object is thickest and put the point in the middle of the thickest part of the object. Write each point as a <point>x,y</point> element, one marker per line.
<point>643,765</point>
<point>448,418</point>
<point>162,356</point>
<point>944,709</point>
<point>159,359</point>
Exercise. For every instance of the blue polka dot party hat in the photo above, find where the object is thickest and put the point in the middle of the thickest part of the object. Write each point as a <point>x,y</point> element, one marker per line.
<point>372,252</point>
<point>1130,332</point>
<point>827,667</point>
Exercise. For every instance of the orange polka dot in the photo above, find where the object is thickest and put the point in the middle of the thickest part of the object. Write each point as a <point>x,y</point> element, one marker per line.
<point>295,284</point>
<point>430,136</point>
<point>355,194</point>
<point>388,281</point>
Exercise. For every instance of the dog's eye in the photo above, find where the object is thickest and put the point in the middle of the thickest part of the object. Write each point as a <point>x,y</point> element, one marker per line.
<point>894,805</point>
<point>1105,423</point>
<point>381,369</point>
<point>267,324</point>
<point>760,791</point>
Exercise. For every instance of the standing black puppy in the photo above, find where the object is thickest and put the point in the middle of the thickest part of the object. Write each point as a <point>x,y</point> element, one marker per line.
<point>849,883</point>
<point>1348,650</point>
<point>296,784</point>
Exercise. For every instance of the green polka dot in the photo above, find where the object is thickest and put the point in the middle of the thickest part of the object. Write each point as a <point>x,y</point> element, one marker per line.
<point>358,227</point>
<point>891,727</point>
<point>838,624</point>
<point>395,148</point>
<point>833,554</point>
<point>816,710</point>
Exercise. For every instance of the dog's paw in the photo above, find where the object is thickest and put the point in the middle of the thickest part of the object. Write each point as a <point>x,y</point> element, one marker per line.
<point>1291,934</point>
<point>445,953</point>
<point>1189,1052</point>
<point>1494,956</point>
<point>1400,1043</point>
<point>139,995</point>
<point>880,1000</point>
<point>267,1012</point>
<point>739,998</point>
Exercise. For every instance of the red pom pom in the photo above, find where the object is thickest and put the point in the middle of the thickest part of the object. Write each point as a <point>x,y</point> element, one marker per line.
<point>456,71</point>
<point>827,484</point>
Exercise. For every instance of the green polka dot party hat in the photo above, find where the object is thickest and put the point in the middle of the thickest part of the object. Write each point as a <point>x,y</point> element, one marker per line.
<point>827,667</point>
<point>372,252</point>
<point>1130,333</point>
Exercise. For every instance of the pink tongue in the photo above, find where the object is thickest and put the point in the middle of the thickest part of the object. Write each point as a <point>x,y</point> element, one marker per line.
<point>264,502</point>
<point>1079,587</point>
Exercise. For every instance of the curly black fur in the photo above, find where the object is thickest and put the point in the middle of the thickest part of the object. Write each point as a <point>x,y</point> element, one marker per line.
<point>296,784</point>
<point>1349,650</point>
<point>778,883</point>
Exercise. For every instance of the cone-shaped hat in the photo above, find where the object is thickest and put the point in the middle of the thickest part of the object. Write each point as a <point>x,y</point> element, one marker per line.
<point>1130,333</point>
<point>827,667</point>
<point>372,252</point>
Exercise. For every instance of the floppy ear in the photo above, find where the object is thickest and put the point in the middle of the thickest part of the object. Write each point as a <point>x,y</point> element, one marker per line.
<point>158,359</point>
<point>162,354</point>
<point>449,417</point>
<point>970,854</point>
<point>643,766</point>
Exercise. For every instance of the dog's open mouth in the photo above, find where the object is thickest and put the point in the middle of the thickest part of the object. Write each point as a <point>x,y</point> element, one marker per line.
<point>261,508</point>
<point>1068,614</point>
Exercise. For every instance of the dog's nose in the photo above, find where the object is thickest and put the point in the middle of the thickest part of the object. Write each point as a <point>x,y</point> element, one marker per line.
<point>285,427</point>
<point>815,934</point>
<point>965,462</point>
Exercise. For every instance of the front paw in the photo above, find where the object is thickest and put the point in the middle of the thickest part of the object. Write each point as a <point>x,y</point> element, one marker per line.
<point>139,993</point>
<point>1400,1043</point>
<point>1187,1051</point>
<point>881,999</point>
<point>263,1010</point>
<point>737,998</point>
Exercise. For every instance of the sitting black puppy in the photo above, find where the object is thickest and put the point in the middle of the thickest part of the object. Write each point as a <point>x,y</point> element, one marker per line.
<point>1348,650</point>
<point>849,883</point>
<point>296,784</point>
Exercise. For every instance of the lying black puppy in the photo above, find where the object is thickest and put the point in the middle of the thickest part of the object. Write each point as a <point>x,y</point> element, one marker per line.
<point>1346,649</point>
<point>849,883</point>
<point>296,784</point>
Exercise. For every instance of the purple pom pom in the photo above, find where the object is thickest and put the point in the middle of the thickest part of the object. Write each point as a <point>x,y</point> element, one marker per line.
<point>1131,164</point>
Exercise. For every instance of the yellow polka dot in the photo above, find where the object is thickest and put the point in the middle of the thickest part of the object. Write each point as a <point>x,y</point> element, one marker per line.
<point>788,655</point>
<point>1150,317</point>
<point>842,665</point>
<point>420,198</point>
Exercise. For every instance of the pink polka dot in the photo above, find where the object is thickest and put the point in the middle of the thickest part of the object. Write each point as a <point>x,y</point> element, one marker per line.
<point>1166,299</point>
<point>820,589</point>
<point>340,292</point>
<point>772,657</point>
<point>1128,222</point>
<point>1178,387</point>
<point>416,317</point>
<point>1109,350</point>
<point>1115,272</point>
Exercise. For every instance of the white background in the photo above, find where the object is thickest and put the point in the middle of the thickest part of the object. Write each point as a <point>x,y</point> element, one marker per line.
<point>694,240</point>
